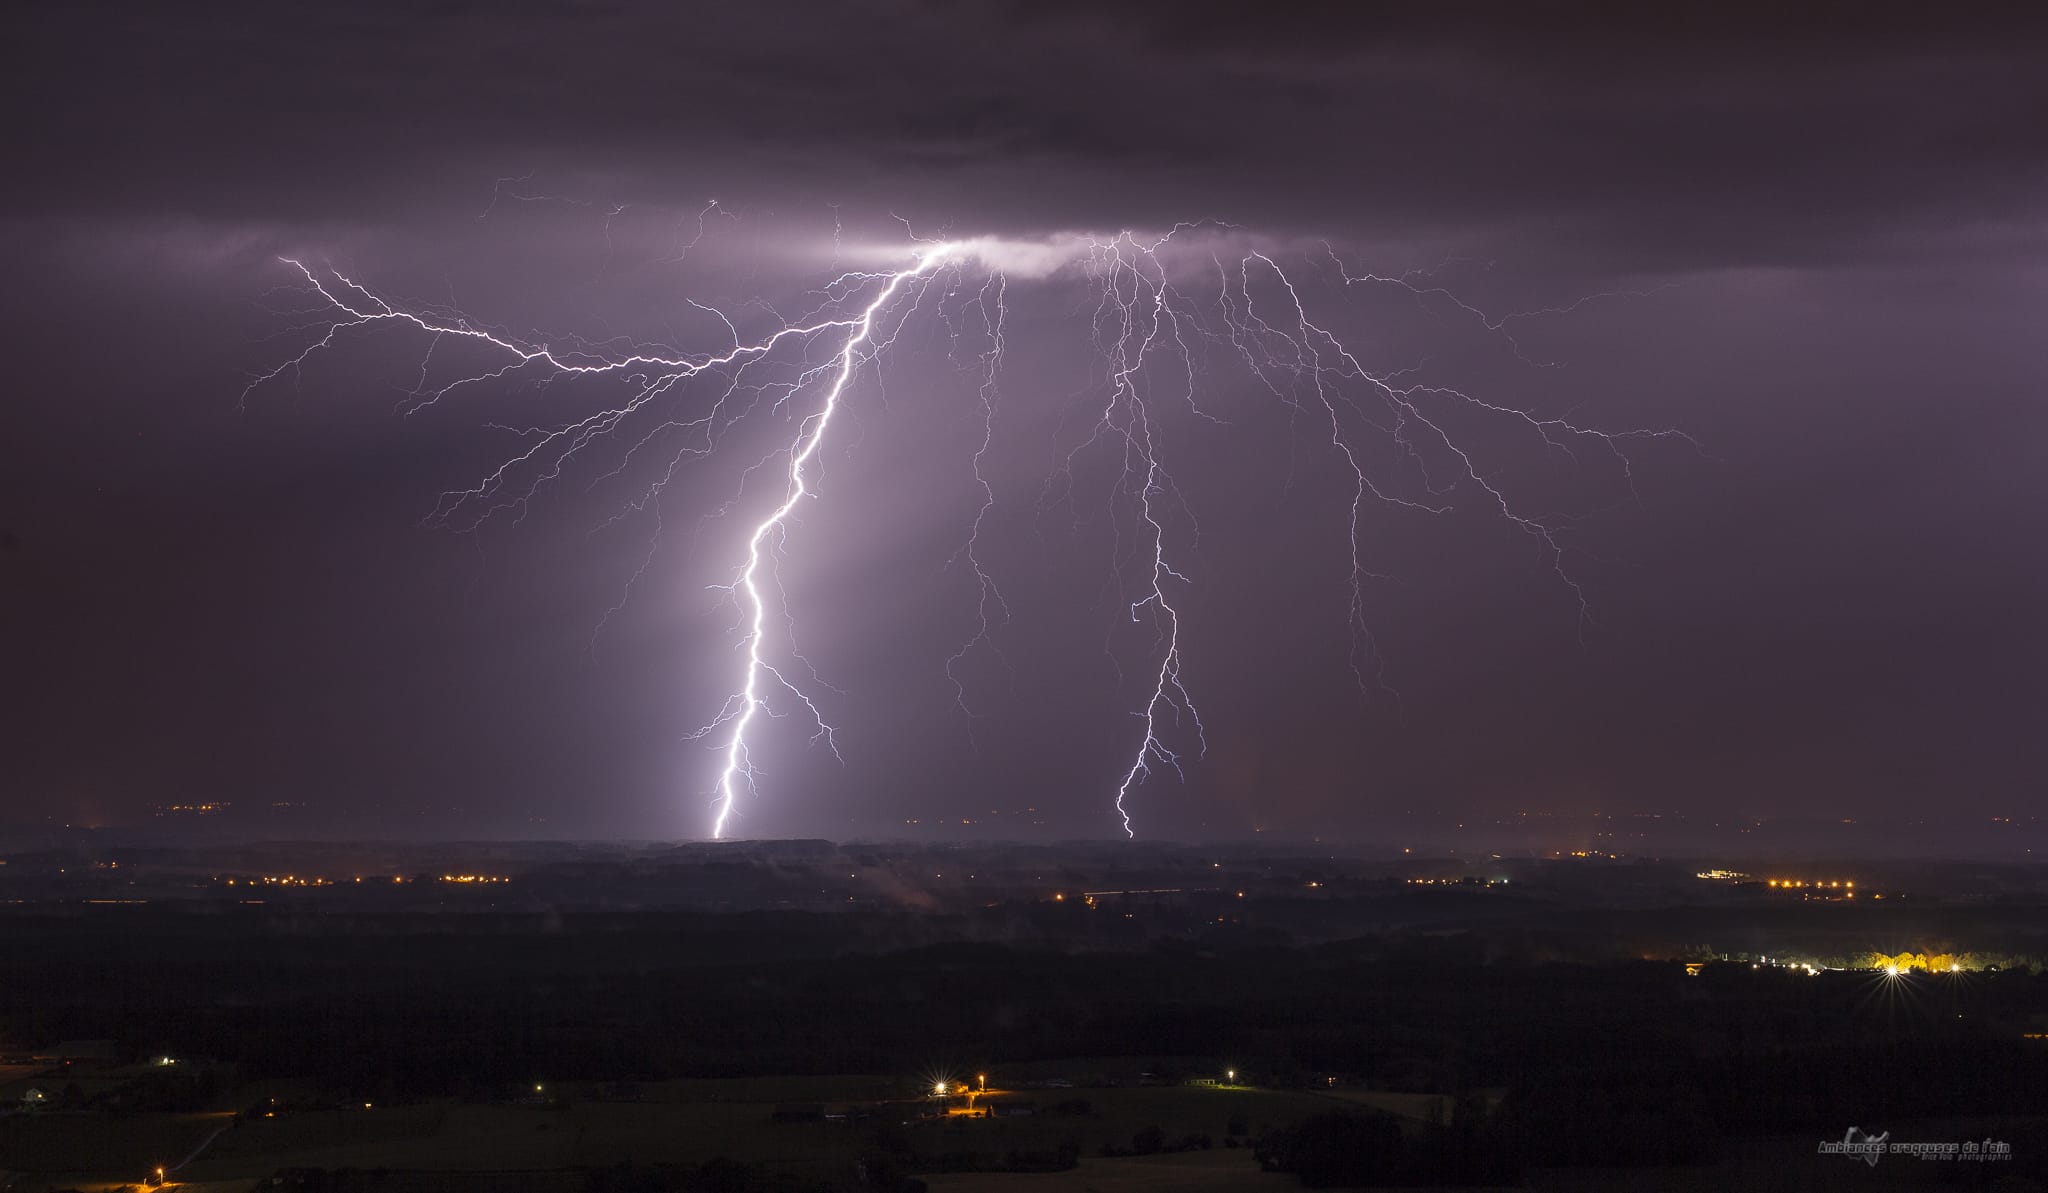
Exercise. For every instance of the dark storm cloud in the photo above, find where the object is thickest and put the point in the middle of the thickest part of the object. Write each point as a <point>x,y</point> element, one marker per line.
<point>1834,609</point>
<point>1683,135</point>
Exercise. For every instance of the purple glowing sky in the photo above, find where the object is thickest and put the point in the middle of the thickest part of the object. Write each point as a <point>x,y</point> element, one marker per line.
<point>1823,233</point>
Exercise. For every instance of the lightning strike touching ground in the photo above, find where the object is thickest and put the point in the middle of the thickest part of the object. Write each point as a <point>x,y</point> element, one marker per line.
<point>1163,312</point>
<point>740,711</point>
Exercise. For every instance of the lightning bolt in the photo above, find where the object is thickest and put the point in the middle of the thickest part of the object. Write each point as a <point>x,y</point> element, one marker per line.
<point>742,708</point>
<point>990,608</point>
<point>1142,316</point>
<point>1138,322</point>
<point>1162,310</point>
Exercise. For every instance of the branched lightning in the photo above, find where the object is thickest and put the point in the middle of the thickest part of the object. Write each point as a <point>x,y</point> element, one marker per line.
<point>1163,312</point>
<point>990,609</point>
<point>741,709</point>
<point>1137,316</point>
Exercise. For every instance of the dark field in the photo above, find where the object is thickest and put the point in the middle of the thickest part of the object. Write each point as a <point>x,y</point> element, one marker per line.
<point>1334,1030</point>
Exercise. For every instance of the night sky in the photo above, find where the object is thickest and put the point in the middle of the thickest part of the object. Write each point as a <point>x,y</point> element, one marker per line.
<point>1814,238</point>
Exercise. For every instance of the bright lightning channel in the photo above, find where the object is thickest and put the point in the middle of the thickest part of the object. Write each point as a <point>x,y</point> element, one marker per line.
<point>742,708</point>
<point>1147,331</point>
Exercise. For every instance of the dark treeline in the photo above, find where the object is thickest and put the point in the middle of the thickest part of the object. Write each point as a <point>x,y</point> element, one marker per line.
<point>435,1014</point>
<point>1619,1062</point>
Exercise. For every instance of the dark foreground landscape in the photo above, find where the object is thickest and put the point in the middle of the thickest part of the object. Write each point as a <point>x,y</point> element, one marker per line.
<point>802,1016</point>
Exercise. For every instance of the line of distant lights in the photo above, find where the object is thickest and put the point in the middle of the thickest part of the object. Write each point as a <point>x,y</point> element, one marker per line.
<point>295,880</point>
<point>1825,885</point>
<point>1889,967</point>
<point>282,880</point>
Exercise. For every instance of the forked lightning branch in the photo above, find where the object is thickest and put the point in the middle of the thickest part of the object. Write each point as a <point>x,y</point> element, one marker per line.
<point>1157,301</point>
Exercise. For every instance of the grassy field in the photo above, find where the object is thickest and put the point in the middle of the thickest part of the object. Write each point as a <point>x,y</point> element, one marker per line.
<point>486,1138</point>
<point>1117,1114</point>
<point>843,1087</point>
<point>263,1140</point>
<point>247,1186</point>
<point>485,1148</point>
<point>1415,1108</point>
<point>124,1147</point>
<point>674,1123</point>
<point>1230,1171</point>
<point>589,1133</point>
<point>1126,1069</point>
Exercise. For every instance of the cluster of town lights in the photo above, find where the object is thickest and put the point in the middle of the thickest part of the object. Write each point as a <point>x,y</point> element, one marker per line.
<point>1899,966</point>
